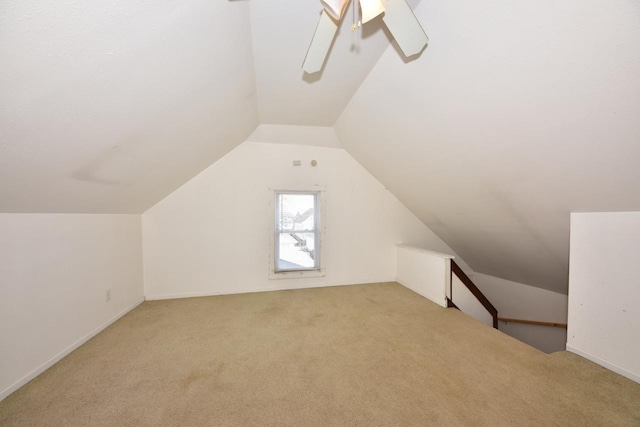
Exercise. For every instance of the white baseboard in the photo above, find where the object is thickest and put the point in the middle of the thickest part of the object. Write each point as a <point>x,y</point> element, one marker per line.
<point>49,363</point>
<point>633,376</point>
<point>217,292</point>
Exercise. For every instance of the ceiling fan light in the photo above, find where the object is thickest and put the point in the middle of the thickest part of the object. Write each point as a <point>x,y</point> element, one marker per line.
<point>335,8</point>
<point>370,9</point>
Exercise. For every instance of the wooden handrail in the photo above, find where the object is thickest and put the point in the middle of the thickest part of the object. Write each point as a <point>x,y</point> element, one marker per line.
<point>533,322</point>
<point>455,269</point>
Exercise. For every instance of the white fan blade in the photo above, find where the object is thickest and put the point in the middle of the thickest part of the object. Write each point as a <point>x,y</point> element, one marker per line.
<point>404,26</point>
<point>320,44</point>
<point>370,9</point>
<point>335,8</point>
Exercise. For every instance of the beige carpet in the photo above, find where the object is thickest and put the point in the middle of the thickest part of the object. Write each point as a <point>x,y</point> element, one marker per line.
<point>356,355</point>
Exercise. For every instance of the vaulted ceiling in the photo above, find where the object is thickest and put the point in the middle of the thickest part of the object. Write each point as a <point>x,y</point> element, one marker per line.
<point>515,115</point>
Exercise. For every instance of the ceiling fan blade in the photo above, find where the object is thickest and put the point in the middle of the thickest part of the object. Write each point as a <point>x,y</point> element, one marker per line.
<point>370,9</point>
<point>320,44</point>
<point>404,26</point>
<point>335,8</point>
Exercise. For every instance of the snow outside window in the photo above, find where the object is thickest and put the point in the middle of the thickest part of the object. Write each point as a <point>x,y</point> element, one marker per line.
<point>297,231</point>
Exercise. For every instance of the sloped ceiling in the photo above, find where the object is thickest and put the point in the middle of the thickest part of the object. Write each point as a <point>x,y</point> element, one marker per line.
<point>516,114</point>
<point>108,105</point>
<point>281,34</point>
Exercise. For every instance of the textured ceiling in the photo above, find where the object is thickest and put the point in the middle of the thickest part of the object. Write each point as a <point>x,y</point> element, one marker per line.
<point>107,106</point>
<point>281,34</point>
<point>516,114</point>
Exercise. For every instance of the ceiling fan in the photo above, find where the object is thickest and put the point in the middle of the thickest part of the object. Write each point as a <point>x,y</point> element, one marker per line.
<point>396,15</point>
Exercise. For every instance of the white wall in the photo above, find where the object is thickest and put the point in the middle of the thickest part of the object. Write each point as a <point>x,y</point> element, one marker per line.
<point>211,236</point>
<point>604,290</point>
<point>425,272</point>
<point>299,135</point>
<point>55,270</point>
<point>518,301</point>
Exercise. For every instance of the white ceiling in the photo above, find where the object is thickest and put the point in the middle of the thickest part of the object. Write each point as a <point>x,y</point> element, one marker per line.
<point>107,105</point>
<point>516,114</point>
<point>281,34</point>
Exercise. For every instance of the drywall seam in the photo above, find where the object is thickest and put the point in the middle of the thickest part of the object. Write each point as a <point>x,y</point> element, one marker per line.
<point>252,290</point>
<point>602,362</point>
<point>49,363</point>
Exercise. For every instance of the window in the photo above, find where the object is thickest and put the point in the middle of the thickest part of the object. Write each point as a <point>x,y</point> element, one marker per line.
<point>297,233</point>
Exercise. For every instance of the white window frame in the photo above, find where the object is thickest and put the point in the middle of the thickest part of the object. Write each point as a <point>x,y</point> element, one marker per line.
<point>319,243</point>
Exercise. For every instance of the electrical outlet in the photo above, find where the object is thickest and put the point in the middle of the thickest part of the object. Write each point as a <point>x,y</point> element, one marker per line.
<point>108,295</point>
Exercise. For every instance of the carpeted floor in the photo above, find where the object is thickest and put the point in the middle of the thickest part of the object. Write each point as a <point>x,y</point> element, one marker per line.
<point>356,355</point>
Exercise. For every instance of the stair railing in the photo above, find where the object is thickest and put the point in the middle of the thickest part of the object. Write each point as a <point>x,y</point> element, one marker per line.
<point>455,269</point>
<point>533,322</point>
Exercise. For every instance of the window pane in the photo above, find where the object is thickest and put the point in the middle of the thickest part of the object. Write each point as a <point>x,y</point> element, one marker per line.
<point>296,251</point>
<point>296,212</point>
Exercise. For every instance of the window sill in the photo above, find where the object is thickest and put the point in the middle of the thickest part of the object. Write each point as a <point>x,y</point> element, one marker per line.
<point>273,275</point>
